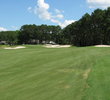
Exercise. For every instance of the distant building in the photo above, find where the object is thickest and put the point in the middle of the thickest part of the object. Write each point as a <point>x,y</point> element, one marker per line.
<point>34,41</point>
<point>3,42</point>
<point>48,42</point>
<point>51,42</point>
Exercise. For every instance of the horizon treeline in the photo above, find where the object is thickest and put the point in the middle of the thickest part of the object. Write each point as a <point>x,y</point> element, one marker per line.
<point>90,30</point>
<point>32,34</point>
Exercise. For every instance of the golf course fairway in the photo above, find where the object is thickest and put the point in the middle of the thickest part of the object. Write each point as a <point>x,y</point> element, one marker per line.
<point>39,73</point>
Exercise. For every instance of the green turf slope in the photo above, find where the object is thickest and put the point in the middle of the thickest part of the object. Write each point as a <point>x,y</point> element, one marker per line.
<point>38,73</point>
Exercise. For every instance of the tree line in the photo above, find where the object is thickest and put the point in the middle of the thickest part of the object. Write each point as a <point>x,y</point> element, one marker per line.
<point>32,34</point>
<point>91,29</point>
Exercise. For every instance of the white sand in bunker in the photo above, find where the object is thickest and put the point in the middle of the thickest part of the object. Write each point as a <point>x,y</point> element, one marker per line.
<point>18,47</point>
<point>56,46</point>
<point>102,46</point>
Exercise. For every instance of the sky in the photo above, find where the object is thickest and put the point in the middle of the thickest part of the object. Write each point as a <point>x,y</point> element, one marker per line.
<point>15,13</point>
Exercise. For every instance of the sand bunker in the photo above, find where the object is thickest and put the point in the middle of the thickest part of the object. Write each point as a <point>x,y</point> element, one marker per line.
<point>102,46</point>
<point>57,46</point>
<point>19,47</point>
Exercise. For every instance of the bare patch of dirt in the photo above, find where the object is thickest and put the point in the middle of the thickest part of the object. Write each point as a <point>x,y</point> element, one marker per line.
<point>67,86</point>
<point>86,73</point>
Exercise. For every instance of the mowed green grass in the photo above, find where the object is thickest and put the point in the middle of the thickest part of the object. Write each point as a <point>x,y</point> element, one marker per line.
<point>38,73</point>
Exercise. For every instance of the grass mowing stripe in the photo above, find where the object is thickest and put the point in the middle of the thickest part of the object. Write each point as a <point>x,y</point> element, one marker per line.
<point>38,73</point>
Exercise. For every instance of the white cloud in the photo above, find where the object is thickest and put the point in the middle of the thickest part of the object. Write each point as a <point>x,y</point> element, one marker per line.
<point>98,3</point>
<point>29,9</point>
<point>42,11</point>
<point>60,16</point>
<point>57,11</point>
<point>56,21</point>
<point>63,24</point>
<point>14,27</point>
<point>42,4</point>
<point>3,29</point>
<point>66,22</point>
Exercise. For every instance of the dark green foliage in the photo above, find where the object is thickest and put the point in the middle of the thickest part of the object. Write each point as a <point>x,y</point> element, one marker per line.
<point>10,37</point>
<point>90,30</point>
<point>30,34</point>
<point>27,33</point>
